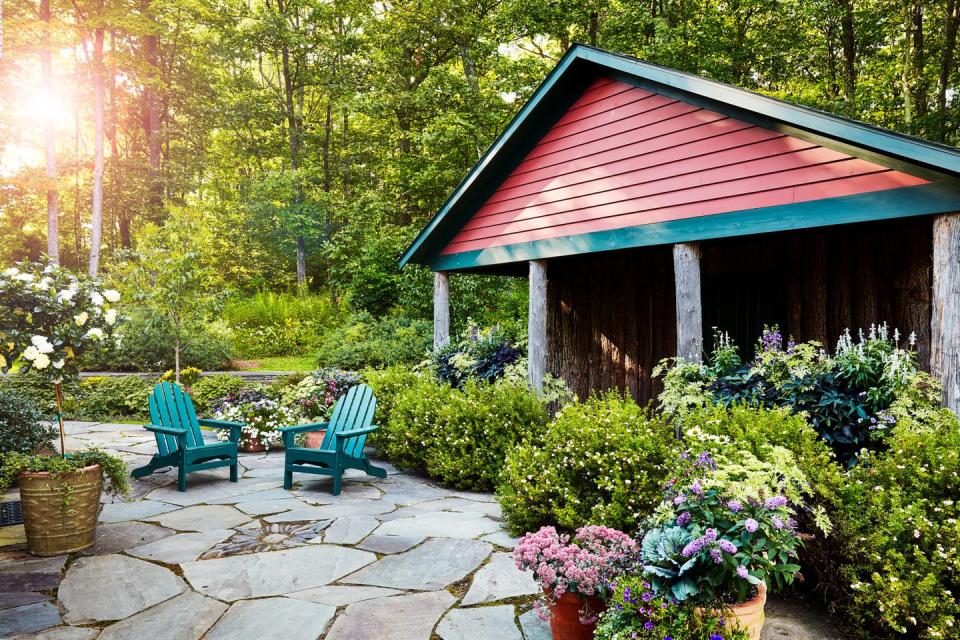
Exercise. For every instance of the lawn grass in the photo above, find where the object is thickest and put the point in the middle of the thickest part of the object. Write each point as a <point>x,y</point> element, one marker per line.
<point>282,363</point>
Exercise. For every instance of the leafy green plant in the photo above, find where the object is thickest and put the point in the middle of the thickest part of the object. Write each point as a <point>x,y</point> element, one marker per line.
<point>899,522</point>
<point>114,469</point>
<point>480,354</point>
<point>111,397</point>
<point>207,390</point>
<point>603,461</point>
<point>22,425</point>
<point>415,422</point>
<point>364,341</point>
<point>188,376</point>
<point>478,428</point>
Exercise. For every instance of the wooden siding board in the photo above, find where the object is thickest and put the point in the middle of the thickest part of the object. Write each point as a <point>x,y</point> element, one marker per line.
<point>624,156</point>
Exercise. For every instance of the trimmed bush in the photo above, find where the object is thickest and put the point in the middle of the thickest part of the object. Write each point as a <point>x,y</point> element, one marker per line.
<point>900,524</point>
<point>388,384</point>
<point>22,426</point>
<point>602,461</point>
<point>460,437</point>
<point>364,341</point>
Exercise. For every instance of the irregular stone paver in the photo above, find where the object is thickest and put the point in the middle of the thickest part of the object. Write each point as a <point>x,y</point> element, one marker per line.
<point>114,587</point>
<point>338,596</point>
<point>346,509</point>
<point>140,510</point>
<point>409,492</point>
<point>255,496</point>
<point>273,619</point>
<point>441,524</point>
<point>792,621</point>
<point>321,491</point>
<point>502,539</point>
<point>25,563</point>
<point>61,633</point>
<point>481,623</point>
<point>183,547</point>
<point>533,627</point>
<point>120,536</point>
<point>463,505</point>
<point>186,617</point>
<point>500,579</point>
<point>390,544</point>
<point>433,565</point>
<point>203,517</point>
<point>208,489</point>
<point>266,507</point>
<point>408,617</point>
<point>274,572</point>
<point>29,617</point>
<point>20,598</point>
<point>350,530</point>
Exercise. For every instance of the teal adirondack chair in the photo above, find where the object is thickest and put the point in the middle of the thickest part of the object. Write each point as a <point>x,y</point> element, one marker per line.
<point>179,441</point>
<point>342,446</point>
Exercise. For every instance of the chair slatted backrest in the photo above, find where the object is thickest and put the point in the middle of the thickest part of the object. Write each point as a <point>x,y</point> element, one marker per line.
<point>353,411</point>
<point>171,407</point>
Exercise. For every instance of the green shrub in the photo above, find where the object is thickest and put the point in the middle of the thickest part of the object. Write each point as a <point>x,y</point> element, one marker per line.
<point>388,384</point>
<point>188,376</point>
<point>291,338</point>
<point>602,461</point>
<point>415,422</point>
<point>208,389</point>
<point>110,397</point>
<point>146,347</point>
<point>367,342</point>
<point>480,426</point>
<point>37,390</point>
<point>900,525</point>
<point>267,308</point>
<point>22,425</point>
<point>460,437</point>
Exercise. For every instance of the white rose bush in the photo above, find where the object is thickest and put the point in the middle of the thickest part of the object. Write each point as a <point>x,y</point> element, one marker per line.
<point>48,317</point>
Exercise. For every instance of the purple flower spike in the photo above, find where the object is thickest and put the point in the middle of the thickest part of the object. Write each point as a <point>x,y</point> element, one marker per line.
<point>751,525</point>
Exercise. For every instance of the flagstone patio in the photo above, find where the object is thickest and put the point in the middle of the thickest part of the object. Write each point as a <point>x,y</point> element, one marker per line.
<point>392,559</point>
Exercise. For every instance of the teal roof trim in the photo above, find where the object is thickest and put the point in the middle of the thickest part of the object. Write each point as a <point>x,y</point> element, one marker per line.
<point>928,199</point>
<point>582,64</point>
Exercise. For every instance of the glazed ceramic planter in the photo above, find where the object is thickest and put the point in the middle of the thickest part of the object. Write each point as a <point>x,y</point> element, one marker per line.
<point>748,615</point>
<point>565,621</point>
<point>60,513</point>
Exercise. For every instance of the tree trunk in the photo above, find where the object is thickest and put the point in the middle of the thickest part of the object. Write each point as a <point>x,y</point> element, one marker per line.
<point>151,119</point>
<point>293,133</point>
<point>686,269</point>
<point>537,325</point>
<point>176,360</point>
<point>945,316</point>
<point>49,141</point>
<point>441,309</point>
<point>947,60</point>
<point>906,67</point>
<point>96,233</point>
<point>848,40</point>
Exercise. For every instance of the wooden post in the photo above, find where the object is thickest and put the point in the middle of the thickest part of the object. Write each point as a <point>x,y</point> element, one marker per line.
<point>537,325</point>
<point>945,317</point>
<point>686,269</point>
<point>441,309</point>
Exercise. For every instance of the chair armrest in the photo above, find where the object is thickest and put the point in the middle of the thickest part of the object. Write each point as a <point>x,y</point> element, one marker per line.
<point>356,432</point>
<point>300,428</point>
<point>219,424</point>
<point>166,430</point>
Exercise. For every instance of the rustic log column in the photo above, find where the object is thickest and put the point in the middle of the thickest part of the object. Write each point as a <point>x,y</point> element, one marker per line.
<point>945,317</point>
<point>686,269</point>
<point>537,325</point>
<point>441,309</point>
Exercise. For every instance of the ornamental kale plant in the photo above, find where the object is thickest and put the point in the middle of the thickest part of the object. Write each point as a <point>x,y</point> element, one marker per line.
<point>713,548</point>
<point>636,612</point>
<point>586,564</point>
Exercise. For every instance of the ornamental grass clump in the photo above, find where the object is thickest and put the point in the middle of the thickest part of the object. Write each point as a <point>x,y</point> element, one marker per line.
<point>585,564</point>
<point>710,548</point>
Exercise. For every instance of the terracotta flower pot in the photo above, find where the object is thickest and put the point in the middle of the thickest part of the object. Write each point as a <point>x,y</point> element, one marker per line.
<point>60,513</point>
<point>748,615</point>
<point>565,621</point>
<point>252,445</point>
<point>315,439</point>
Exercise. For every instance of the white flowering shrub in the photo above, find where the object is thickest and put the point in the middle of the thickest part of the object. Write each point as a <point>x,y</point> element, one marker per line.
<point>261,415</point>
<point>50,316</point>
